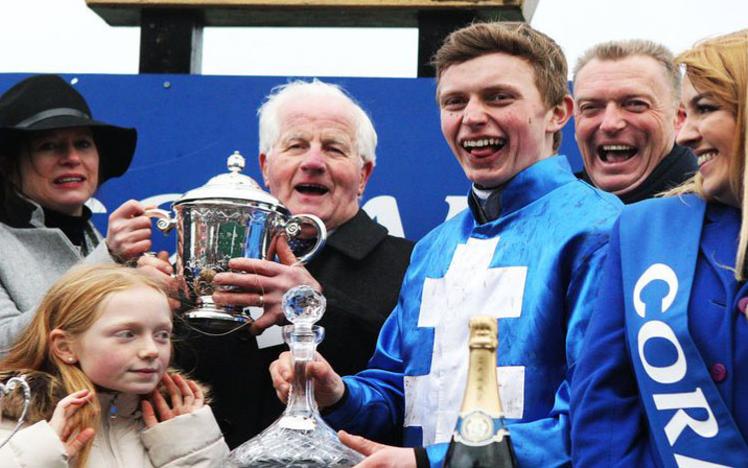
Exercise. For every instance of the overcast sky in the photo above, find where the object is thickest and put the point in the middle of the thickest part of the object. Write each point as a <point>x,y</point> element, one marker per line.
<point>65,36</point>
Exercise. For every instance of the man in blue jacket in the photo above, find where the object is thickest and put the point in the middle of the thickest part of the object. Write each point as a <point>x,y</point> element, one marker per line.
<point>527,251</point>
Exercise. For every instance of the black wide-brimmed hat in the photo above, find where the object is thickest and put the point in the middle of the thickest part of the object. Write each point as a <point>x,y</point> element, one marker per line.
<point>47,102</point>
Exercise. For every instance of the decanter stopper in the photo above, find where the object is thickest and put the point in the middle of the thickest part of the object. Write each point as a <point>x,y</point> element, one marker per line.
<point>303,306</point>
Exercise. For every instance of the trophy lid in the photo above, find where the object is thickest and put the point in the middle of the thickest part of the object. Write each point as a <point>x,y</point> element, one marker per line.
<point>232,185</point>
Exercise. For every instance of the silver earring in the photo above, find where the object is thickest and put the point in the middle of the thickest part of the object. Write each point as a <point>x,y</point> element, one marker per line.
<point>71,360</point>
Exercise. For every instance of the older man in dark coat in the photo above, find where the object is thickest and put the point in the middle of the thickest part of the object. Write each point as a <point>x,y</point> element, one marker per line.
<point>317,152</point>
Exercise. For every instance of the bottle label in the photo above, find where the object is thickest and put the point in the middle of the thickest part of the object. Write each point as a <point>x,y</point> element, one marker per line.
<point>478,428</point>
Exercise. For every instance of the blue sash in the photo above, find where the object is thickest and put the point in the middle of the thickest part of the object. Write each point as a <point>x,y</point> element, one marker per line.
<point>689,422</point>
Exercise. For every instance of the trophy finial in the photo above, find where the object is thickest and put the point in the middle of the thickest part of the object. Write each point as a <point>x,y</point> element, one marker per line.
<point>303,306</point>
<point>235,162</point>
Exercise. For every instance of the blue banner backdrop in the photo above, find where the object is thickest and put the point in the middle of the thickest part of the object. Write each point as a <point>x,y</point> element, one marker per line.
<point>188,125</point>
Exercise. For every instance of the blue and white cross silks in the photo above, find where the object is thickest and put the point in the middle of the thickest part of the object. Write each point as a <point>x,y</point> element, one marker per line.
<point>533,269</point>
<point>689,421</point>
<point>470,287</point>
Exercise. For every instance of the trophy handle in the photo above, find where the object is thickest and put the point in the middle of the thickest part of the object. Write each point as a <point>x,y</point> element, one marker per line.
<point>6,389</point>
<point>294,229</point>
<point>165,222</point>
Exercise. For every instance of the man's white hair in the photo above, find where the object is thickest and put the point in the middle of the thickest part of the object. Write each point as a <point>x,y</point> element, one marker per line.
<point>366,136</point>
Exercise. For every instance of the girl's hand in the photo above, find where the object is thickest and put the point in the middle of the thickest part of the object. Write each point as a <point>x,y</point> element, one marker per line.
<point>185,397</point>
<point>60,422</point>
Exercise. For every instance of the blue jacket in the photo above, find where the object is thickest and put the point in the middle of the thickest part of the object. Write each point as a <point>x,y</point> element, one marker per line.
<point>610,426</point>
<point>535,269</point>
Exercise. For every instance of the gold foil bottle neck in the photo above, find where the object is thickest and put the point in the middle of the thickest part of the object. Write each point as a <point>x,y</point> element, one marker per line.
<point>483,332</point>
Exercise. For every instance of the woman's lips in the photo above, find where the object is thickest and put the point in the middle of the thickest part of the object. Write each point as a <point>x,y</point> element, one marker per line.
<point>69,180</point>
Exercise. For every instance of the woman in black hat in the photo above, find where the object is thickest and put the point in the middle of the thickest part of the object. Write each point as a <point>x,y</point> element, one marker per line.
<point>53,157</point>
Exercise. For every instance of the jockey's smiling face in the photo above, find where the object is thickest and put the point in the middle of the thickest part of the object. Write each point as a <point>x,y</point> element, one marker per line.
<point>494,119</point>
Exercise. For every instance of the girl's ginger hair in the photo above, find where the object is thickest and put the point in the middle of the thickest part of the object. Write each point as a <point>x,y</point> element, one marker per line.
<point>72,304</point>
<point>719,66</point>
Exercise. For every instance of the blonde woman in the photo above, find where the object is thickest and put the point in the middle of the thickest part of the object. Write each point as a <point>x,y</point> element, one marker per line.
<point>663,376</point>
<point>96,355</point>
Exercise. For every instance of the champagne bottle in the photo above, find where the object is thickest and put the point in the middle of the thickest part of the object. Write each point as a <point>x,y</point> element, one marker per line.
<point>480,439</point>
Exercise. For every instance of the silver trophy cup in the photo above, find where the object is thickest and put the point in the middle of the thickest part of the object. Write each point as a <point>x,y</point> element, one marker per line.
<point>229,217</point>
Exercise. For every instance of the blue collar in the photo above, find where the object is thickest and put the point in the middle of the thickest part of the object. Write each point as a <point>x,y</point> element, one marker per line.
<point>531,184</point>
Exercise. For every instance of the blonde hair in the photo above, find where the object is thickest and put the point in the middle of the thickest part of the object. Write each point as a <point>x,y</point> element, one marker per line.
<point>620,50</point>
<point>719,66</point>
<point>72,304</point>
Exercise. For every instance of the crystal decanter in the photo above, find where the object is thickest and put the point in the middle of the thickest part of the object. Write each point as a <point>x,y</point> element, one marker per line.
<point>299,438</point>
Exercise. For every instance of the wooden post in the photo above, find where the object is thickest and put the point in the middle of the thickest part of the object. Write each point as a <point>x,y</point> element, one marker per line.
<point>171,30</point>
<point>433,27</point>
<point>170,41</point>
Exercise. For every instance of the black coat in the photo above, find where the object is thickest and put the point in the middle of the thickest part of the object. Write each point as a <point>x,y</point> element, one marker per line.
<point>360,269</point>
<point>674,169</point>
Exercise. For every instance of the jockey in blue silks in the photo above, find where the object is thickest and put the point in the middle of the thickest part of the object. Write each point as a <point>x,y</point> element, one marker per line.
<point>527,252</point>
<point>663,379</point>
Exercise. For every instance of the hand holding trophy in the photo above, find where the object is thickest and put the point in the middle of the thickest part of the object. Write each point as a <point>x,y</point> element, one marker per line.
<point>230,217</point>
